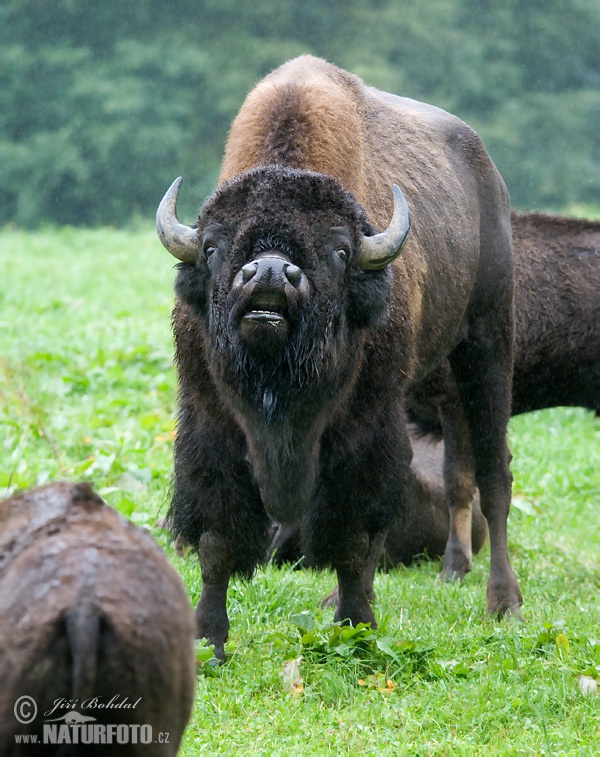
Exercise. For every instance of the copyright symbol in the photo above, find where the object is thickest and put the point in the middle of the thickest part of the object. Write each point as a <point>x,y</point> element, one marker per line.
<point>25,709</point>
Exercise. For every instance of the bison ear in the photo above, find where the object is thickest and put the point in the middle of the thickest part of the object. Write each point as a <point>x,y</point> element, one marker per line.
<point>368,297</point>
<point>191,286</point>
<point>181,241</point>
<point>378,251</point>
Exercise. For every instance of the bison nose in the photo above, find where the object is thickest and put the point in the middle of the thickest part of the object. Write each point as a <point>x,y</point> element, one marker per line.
<point>249,271</point>
<point>273,271</point>
<point>293,274</point>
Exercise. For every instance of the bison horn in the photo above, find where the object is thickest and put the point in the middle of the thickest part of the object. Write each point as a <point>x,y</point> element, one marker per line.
<point>181,241</point>
<point>379,250</point>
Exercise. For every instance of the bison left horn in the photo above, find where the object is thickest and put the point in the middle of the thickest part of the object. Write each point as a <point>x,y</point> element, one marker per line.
<point>379,250</point>
<point>181,241</point>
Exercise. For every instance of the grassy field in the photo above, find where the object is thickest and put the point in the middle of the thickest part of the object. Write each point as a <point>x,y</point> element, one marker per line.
<point>87,391</point>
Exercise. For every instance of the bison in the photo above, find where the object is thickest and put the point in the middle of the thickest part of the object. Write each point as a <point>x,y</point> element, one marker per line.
<point>91,613</point>
<point>557,324</point>
<point>299,328</point>
<point>557,356</point>
<point>557,330</point>
<point>557,363</point>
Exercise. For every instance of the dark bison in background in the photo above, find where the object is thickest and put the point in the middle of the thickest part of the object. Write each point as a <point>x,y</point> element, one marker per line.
<point>90,608</point>
<point>557,323</point>
<point>557,363</point>
<point>299,328</point>
<point>557,302</point>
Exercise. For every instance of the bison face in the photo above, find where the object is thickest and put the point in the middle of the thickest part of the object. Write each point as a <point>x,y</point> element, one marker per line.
<point>280,284</point>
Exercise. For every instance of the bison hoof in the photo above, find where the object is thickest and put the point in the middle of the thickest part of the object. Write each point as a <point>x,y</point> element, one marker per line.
<point>354,615</point>
<point>457,563</point>
<point>503,596</point>
<point>212,624</point>
<point>508,604</point>
<point>333,598</point>
<point>449,574</point>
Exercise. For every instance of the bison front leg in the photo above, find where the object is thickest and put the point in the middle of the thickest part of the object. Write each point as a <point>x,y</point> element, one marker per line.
<point>217,507</point>
<point>217,563</point>
<point>368,576</point>
<point>357,503</point>
<point>353,595</point>
<point>336,535</point>
<point>234,548</point>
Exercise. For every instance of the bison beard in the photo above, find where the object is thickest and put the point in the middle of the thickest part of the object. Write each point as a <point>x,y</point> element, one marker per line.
<point>297,337</point>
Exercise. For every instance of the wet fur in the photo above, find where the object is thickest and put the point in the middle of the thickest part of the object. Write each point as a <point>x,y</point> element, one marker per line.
<point>557,320</point>
<point>315,434</point>
<point>557,337</point>
<point>89,607</point>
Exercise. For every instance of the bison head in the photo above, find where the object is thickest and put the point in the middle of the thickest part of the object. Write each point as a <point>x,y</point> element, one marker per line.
<point>282,264</point>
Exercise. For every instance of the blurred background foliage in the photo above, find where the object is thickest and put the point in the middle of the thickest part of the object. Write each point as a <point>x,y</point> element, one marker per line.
<point>102,104</point>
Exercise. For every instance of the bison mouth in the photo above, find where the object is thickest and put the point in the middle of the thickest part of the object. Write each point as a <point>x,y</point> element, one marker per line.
<point>265,320</point>
<point>267,308</point>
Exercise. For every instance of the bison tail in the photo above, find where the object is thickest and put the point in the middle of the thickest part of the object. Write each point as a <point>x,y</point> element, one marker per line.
<point>83,625</point>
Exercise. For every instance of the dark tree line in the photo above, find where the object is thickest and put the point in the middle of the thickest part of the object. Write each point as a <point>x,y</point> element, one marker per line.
<point>103,103</point>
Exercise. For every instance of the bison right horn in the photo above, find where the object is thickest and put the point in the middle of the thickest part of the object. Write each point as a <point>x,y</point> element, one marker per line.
<point>379,250</point>
<point>181,241</point>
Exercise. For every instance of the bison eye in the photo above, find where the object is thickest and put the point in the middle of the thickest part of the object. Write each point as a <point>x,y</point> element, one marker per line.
<point>209,250</point>
<point>343,255</point>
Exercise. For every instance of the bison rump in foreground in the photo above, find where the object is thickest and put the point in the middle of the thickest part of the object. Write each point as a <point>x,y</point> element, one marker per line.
<point>90,608</point>
<point>299,327</point>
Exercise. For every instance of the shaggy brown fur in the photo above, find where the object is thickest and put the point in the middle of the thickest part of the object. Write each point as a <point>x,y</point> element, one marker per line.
<point>421,528</point>
<point>306,423</point>
<point>557,301</point>
<point>89,607</point>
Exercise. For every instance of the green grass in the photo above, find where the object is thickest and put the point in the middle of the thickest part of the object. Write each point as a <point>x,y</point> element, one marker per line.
<point>87,391</point>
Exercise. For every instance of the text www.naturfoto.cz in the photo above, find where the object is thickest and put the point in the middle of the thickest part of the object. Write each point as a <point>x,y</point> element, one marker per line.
<point>93,733</point>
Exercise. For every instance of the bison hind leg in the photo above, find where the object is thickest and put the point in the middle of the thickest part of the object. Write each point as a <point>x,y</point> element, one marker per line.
<point>481,365</point>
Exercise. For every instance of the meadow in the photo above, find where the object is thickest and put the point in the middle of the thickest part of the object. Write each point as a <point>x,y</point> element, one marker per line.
<point>88,392</point>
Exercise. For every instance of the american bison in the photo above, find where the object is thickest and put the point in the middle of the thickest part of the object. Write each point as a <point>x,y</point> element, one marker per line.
<point>557,334</point>
<point>299,327</point>
<point>557,326</point>
<point>95,628</point>
<point>557,357</point>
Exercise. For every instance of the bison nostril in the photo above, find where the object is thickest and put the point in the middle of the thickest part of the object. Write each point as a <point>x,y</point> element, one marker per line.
<point>248,271</point>
<point>293,274</point>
